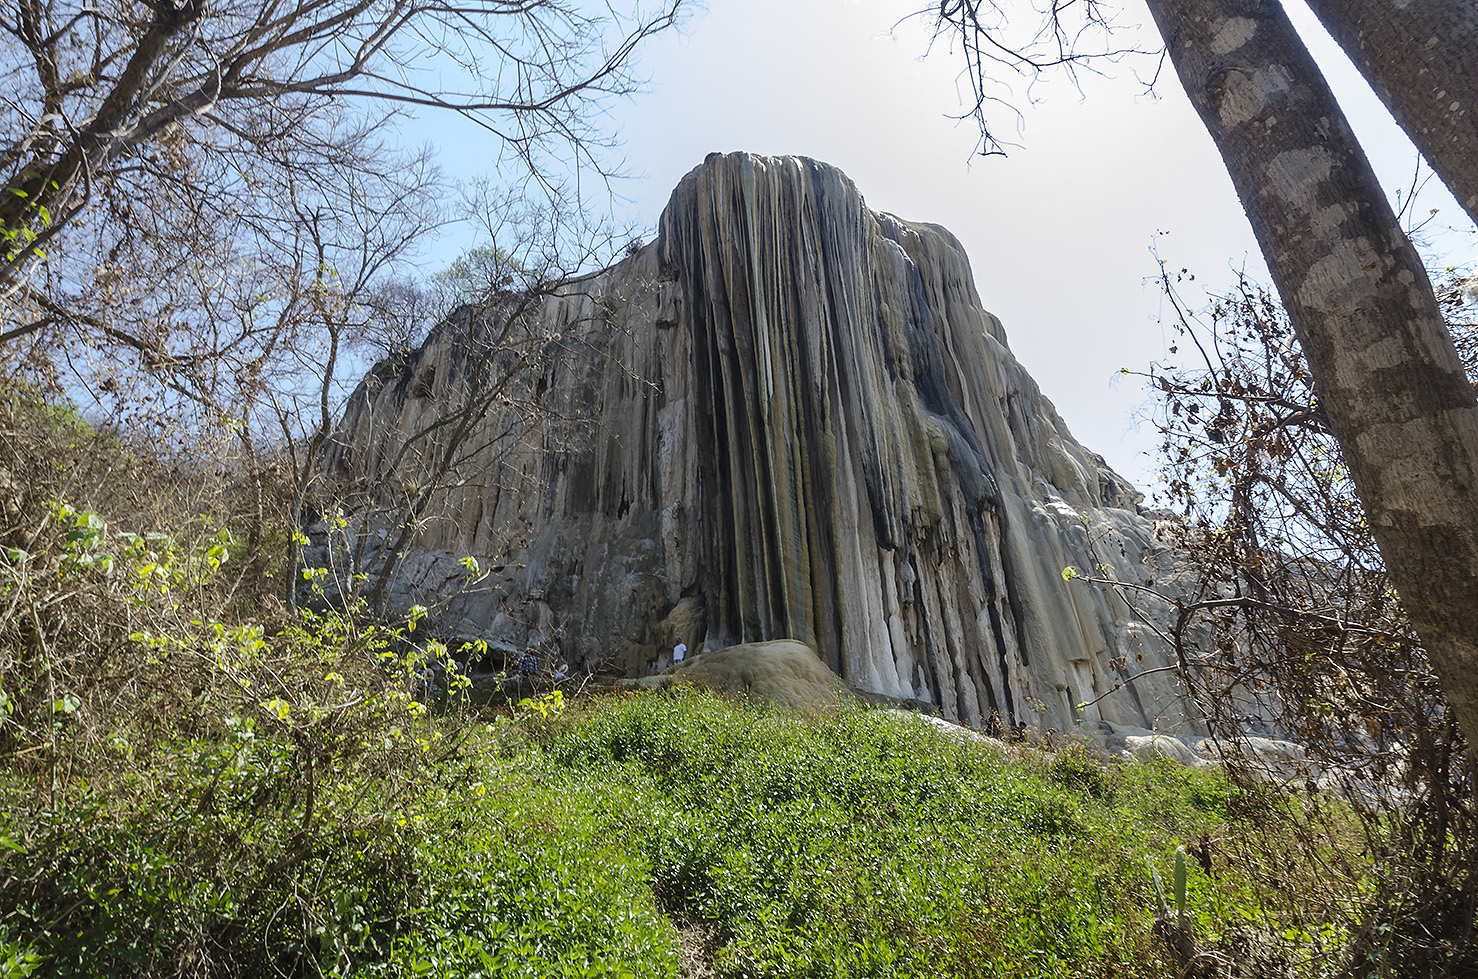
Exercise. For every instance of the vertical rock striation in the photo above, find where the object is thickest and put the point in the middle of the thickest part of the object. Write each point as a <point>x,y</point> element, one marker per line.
<point>797,421</point>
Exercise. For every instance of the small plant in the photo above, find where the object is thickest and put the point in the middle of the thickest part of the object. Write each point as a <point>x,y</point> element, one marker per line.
<point>1074,768</point>
<point>1177,932</point>
<point>17,959</point>
<point>1180,882</point>
<point>549,705</point>
<point>1161,906</point>
<point>86,533</point>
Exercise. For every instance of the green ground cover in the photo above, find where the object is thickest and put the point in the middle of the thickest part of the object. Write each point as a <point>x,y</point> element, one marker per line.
<point>656,835</point>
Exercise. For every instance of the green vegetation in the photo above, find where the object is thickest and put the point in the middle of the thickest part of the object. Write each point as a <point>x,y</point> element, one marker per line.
<point>601,841</point>
<point>197,780</point>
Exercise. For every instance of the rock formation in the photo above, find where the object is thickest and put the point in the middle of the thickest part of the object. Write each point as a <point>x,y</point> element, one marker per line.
<point>781,671</point>
<point>793,419</point>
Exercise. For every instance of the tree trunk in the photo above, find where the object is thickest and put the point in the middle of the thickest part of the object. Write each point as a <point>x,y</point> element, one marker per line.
<point>1421,57</point>
<point>1384,366</point>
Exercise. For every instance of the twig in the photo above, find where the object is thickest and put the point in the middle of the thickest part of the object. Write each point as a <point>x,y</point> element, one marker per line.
<point>1125,682</point>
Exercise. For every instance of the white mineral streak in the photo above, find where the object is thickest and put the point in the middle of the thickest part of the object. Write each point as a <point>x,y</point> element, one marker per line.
<point>802,424</point>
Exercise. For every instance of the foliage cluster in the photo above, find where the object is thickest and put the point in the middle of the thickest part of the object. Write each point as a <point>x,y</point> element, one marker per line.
<point>863,844</point>
<point>1287,616</point>
<point>192,777</point>
<point>629,835</point>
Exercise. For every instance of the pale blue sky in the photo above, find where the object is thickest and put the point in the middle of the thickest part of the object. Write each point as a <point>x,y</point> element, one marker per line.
<point>1059,232</point>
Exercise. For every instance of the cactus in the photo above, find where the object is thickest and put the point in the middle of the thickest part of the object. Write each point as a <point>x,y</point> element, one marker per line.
<point>1179,882</point>
<point>1159,888</point>
<point>1177,932</point>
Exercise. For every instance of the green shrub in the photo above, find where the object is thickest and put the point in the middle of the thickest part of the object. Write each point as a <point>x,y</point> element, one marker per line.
<point>855,843</point>
<point>1076,769</point>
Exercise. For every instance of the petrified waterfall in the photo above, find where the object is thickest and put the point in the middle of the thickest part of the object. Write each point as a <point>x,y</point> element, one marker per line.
<point>795,420</point>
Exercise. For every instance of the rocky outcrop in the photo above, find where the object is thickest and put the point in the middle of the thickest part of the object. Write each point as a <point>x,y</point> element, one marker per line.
<point>781,671</point>
<point>794,420</point>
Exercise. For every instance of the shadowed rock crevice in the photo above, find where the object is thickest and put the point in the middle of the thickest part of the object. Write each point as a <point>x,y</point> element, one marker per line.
<point>798,422</point>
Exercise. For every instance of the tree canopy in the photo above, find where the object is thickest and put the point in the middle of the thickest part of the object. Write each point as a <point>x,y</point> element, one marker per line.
<point>191,181</point>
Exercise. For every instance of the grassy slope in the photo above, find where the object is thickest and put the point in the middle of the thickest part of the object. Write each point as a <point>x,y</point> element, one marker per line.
<point>656,835</point>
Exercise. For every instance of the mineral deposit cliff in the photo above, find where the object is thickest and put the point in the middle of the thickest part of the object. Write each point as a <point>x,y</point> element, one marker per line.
<point>788,417</point>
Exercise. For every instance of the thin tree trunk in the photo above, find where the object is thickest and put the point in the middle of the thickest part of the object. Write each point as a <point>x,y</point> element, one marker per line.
<point>1384,366</point>
<point>1421,57</point>
<point>256,520</point>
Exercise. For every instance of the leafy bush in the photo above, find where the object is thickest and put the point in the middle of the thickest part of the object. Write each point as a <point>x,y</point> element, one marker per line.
<point>526,881</point>
<point>281,748</point>
<point>845,844</point>
<point>1076,769</point>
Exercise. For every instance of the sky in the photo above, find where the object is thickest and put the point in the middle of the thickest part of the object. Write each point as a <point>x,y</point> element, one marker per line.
<point>1062,232</point>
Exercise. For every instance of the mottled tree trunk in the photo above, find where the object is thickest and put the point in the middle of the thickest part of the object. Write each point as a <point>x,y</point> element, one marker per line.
<point>1421,57</point>
<point>1384,366</point>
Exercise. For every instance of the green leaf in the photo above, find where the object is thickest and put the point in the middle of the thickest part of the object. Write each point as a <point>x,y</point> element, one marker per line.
<point>281,708</point>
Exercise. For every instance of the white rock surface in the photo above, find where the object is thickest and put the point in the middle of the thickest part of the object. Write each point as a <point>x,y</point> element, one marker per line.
<point>1147,747</point>
<point>781,671</point>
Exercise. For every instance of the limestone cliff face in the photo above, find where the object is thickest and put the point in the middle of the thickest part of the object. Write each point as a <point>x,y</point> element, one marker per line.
<point>795,420</point>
